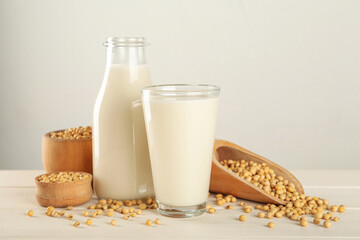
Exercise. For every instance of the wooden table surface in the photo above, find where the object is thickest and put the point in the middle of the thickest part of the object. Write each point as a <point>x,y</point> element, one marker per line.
<point>17,191</point>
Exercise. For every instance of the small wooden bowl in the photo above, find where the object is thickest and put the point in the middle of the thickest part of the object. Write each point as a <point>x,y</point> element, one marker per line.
<point>64,155</point>
<point>63,194</point>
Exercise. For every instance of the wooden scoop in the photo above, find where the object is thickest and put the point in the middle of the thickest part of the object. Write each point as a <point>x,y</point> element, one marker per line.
<point>227,182</point>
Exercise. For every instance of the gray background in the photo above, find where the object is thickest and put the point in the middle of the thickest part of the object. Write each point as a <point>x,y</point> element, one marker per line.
<point>289,70</point>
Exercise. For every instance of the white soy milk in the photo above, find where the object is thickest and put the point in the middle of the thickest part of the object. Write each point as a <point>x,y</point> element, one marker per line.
<point>181,139</point>
<point>121,164</point>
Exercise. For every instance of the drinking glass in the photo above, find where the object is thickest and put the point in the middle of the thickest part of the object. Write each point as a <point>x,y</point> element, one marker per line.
<point>180,124</point>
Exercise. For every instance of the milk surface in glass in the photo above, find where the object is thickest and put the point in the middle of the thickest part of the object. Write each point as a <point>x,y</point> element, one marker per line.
<point>180,134</point>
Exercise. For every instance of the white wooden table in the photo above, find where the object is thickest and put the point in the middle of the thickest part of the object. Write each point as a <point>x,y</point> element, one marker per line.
<point>17,191</point>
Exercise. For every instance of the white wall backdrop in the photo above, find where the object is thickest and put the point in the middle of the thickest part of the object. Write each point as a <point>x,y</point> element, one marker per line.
<point>289,70</point>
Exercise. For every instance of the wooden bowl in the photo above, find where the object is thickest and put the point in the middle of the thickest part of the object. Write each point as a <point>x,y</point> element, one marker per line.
<point>63,194</point>
<point>66,154</point>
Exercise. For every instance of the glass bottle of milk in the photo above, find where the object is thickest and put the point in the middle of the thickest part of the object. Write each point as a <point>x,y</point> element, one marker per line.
<point>121,164</point>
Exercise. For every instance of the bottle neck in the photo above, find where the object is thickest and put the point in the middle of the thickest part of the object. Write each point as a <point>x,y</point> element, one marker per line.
<point>126,55</point>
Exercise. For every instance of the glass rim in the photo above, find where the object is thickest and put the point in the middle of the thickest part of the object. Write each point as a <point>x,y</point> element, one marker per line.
<point>126,42</point>
<point>181,89</point>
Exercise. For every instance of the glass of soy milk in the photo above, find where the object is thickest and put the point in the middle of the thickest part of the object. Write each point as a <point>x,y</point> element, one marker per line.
<point>180,123</point>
